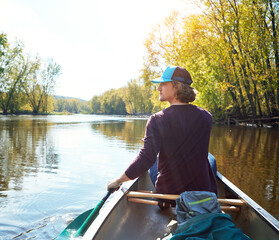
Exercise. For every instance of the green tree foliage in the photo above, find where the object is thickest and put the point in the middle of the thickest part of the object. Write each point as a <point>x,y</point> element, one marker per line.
<point>250,52</point>
<point>25,83</point>
<point>96,104</point>
<point>111,102</point>
<point>137,98</point>
<point>149,72</point>
<point>71,105</point>
<point>231,51</point>
<point>41,83</point>
<point>13,70</point>
<point>132,99</point>
<point>59,105</point>
<point>85,107</point>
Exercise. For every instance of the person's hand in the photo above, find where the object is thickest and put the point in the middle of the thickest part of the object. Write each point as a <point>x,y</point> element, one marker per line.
<point>117,182</point>
<point>114,184</point>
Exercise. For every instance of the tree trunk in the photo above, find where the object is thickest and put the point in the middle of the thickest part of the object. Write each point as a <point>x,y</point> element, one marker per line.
<point>242,100</point>
<point>275,111</point>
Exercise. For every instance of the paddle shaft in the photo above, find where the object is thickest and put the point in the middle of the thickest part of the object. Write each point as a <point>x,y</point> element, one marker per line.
<point>92,215</point>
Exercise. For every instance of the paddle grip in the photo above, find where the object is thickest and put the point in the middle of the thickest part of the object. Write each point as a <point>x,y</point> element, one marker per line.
<point>108,194</point>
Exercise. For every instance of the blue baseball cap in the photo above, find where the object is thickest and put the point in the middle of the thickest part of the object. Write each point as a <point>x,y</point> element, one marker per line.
<point>173,73</point>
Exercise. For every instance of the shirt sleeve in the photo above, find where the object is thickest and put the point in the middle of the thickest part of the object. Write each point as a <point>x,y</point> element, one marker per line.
<point>147,155</point>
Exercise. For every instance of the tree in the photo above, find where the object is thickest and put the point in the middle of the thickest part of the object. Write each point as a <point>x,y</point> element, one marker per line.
<point>247,29</point>
<point>85,107</point>
<point>60,105</point>
<point>137,97</point>
<point>96,104</point>
<point>72,105</point>
<point>41,83</point>
<point>112,103</point>
<point>13,70</point>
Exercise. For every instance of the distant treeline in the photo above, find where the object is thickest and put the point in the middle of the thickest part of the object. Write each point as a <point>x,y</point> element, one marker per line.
<point>70,105</point>
<point>134,99</point>
<point>231,51</point>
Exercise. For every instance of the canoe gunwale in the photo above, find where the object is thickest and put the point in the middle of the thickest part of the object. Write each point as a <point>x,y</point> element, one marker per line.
<point>107,209</point>
<point>261,212</point>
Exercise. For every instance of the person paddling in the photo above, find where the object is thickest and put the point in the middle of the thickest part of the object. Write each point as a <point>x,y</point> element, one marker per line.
<point>176,141</point>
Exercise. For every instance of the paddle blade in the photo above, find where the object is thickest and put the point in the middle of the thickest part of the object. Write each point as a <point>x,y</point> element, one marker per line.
<point>78,227</point>
<point>89,219</point>
<point>71,229</point>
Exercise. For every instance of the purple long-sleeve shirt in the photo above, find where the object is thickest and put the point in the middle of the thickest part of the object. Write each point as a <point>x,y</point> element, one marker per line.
<point>180,134</point>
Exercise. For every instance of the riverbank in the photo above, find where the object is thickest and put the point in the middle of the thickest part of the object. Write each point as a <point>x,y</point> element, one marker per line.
<point>249,122</point>
<point>31,113</point>
<point>255,122</point>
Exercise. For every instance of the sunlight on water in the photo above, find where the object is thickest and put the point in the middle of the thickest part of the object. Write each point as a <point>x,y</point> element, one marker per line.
<point>53,168</point>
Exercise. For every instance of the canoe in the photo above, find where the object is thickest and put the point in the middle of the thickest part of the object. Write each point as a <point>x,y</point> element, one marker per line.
<point>122,219</point>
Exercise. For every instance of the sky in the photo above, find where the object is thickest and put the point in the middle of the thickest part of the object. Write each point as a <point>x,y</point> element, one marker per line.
<point>99,44</point>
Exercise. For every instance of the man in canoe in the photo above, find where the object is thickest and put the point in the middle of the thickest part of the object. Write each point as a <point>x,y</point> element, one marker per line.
<point>175,149</point>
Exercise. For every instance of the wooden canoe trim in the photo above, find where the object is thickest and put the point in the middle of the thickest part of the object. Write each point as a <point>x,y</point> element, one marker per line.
<point>153,202</point>
<point>230,208</point>
<point>236,202</point>
<point>146,194</point>
<point>144,191</point>
<point>144,201</point>
<point>151,195</point>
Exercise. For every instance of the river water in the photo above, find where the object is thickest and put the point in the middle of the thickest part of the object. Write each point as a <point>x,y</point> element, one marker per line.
<point>52,168</point>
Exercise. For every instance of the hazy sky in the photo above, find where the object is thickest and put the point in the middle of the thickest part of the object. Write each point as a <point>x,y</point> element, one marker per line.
<point>97,43</point>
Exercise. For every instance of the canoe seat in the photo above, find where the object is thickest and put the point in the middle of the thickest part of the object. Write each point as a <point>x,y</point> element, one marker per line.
<point>140,197</point>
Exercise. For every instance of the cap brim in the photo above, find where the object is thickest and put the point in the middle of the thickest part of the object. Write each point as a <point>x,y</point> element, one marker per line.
<point>160,80</point>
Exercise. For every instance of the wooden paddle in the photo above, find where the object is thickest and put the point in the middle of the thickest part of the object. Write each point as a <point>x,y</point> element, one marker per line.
<point>80,224</point>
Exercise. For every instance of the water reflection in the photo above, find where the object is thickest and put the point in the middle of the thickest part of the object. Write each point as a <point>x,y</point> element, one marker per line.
<point>248,157</point>
<point>131,131</point>
<point>25,149</point>
<point>53,167</point>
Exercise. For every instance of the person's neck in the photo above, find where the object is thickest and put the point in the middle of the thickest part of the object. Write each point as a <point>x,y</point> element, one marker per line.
<point>176,102</point>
